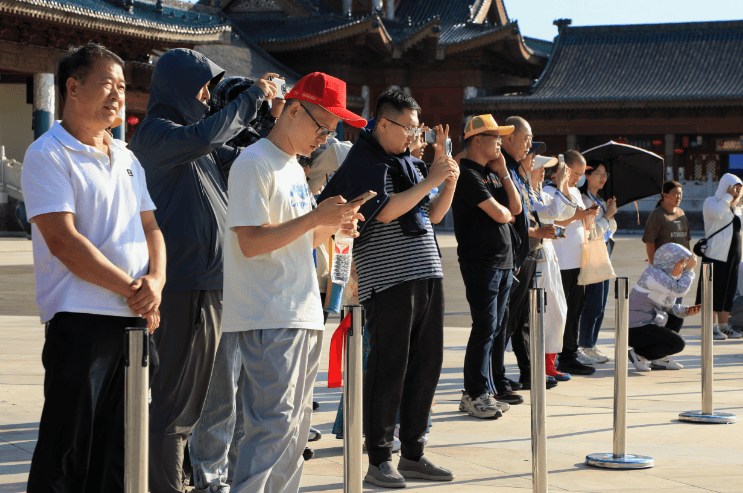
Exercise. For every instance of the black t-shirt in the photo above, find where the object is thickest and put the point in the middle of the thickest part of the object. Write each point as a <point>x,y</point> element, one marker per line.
<point>479,237</point>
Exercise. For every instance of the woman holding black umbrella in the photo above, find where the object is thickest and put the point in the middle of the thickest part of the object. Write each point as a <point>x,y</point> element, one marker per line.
<point>722,225</point>
<point>596,294</point>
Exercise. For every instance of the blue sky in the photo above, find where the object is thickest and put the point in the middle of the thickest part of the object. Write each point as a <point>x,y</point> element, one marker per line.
<point>535,16</point>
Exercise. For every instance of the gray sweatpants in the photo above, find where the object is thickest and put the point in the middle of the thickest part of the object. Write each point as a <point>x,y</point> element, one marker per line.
<point>280,369</point>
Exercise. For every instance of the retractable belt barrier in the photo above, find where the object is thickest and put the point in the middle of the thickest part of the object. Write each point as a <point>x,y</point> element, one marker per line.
<point>619,459</point>
<point>136,413</point>
<point>353,400</point>
<point>537,303</point>
<point>707,414</point>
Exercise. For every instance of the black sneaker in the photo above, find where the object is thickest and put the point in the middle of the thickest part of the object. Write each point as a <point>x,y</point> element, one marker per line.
<point>575,368</point>
<point>308,453</point>
<point>510,397</point>
<point>514,385</point>
<point>550,384</point>
<point>315,405</point>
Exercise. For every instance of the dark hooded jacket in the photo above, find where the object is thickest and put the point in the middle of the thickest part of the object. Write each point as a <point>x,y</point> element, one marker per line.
<point>185,163</point>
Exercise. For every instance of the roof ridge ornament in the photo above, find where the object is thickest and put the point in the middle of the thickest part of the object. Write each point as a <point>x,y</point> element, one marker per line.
<point>159,7</point>
<point>562,24</point>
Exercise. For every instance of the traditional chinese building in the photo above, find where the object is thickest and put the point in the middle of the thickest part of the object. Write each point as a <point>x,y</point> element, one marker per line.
<point>440,51</point>
<point>674,89</point>
<point>35,33</point>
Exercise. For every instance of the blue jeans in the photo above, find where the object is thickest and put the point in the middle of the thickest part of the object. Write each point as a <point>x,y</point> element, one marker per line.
<point>215,438</point>
<point>487,292</point>
<point>592,315</point>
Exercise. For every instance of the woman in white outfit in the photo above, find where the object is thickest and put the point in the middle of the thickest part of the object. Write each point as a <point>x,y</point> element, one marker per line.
<point>722,227</point>
<point>548,269</point>
<point>596,294</point>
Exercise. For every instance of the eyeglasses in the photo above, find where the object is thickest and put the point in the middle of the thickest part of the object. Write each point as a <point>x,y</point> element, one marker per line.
<point>411,130</point>
<point>497,137</point>
<point>321,131</point>
<point>602,175</point>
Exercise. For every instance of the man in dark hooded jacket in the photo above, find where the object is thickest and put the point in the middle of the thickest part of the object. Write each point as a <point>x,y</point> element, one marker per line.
<point>185,162</point>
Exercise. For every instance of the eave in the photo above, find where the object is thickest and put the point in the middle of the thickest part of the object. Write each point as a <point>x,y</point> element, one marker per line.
<point>380,38</point>
<point>120,25</point>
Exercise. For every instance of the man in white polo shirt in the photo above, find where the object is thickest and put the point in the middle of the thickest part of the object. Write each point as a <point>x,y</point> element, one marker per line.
<point>271,294</point>
<point>99,260</point>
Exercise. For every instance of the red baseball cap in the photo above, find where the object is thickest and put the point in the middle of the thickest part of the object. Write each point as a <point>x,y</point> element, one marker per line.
<point>328,92</point>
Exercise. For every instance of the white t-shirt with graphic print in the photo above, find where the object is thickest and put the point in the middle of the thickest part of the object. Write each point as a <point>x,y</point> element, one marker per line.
<point>278,289</point>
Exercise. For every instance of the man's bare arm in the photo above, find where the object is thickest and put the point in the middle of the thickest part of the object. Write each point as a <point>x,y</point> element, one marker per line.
<point>79,255</point>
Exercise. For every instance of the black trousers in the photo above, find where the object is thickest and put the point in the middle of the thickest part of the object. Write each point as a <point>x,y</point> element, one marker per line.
<point>406,329</point>
<point>575,297</point>
<point>517,328</point>
<point>656,342</point>
<point>187,341</point>
<point>81,433</point>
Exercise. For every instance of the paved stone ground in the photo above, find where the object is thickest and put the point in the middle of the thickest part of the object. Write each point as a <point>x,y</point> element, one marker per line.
<point>483,454</point>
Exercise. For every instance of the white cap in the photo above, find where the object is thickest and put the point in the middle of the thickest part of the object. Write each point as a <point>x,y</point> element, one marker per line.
<point>544,162</point>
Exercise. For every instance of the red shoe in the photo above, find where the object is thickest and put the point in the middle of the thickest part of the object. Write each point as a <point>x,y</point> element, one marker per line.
<point>552,371</point>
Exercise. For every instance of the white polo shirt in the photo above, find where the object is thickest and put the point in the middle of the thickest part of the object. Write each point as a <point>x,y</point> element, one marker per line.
<point>61,174</point>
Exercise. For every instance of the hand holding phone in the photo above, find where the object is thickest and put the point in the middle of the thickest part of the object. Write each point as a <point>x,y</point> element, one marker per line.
<point>559,232</point>
<point>363,198</point>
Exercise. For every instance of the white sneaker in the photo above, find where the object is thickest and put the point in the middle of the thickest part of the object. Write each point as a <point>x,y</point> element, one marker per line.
<point>596,354</point>
<point>584,357</point>
<point>717,334</point>
<point>640,363</point>
<point>665,364</point>
<point>730,332</point>
<point>484,407</point>
<point>465,403</point>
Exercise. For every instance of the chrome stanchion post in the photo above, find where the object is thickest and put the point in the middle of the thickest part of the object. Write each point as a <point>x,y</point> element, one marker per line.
<point>136,413</point>
<point>353,403</point>
<point>618,459</point>
<point>707,414</point>
<point>538,391</point>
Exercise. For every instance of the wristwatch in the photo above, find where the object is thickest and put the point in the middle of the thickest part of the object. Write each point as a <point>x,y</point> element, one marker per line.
<point>507,177</point>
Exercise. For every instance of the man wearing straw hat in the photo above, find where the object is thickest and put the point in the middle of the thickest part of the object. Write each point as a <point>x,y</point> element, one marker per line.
<point>485,201</point>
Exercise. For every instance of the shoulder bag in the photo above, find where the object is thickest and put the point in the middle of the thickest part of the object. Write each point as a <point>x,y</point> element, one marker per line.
<point>700,248</point>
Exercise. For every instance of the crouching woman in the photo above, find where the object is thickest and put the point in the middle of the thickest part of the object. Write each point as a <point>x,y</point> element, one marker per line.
<point>651,300</point>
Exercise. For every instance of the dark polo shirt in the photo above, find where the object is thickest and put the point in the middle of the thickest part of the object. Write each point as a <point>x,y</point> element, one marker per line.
<point>479,237</point>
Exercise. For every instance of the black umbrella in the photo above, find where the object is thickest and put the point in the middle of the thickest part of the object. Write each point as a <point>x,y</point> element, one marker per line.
<point>634,173</point>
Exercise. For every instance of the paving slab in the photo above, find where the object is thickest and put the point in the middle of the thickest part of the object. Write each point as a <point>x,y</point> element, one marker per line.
<point>486,455</point>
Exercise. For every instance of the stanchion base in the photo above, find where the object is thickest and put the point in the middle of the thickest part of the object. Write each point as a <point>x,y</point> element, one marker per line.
<point>628,461</point>
<point>715,417</point>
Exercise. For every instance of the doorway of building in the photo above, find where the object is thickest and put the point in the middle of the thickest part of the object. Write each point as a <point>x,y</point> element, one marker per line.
<point>699,166</point>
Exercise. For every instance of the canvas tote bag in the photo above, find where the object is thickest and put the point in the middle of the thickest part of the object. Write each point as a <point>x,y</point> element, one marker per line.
<point>595,265</point>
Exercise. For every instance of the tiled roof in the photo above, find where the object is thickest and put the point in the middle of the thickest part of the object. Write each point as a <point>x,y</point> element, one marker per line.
<point>276,28</point>
<point>453,21</point>
<point>539,46</point>
<point>174,18</point>
<point>665,64</point>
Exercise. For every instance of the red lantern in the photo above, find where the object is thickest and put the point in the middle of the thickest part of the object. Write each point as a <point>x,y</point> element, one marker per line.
<point>132,120</point>
<point>657,142</point>
<point>621,140</point>
<point>684,142</point>
<point>678,150</point>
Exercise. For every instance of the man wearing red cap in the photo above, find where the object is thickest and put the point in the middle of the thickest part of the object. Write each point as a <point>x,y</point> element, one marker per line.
<point>271,294</point>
